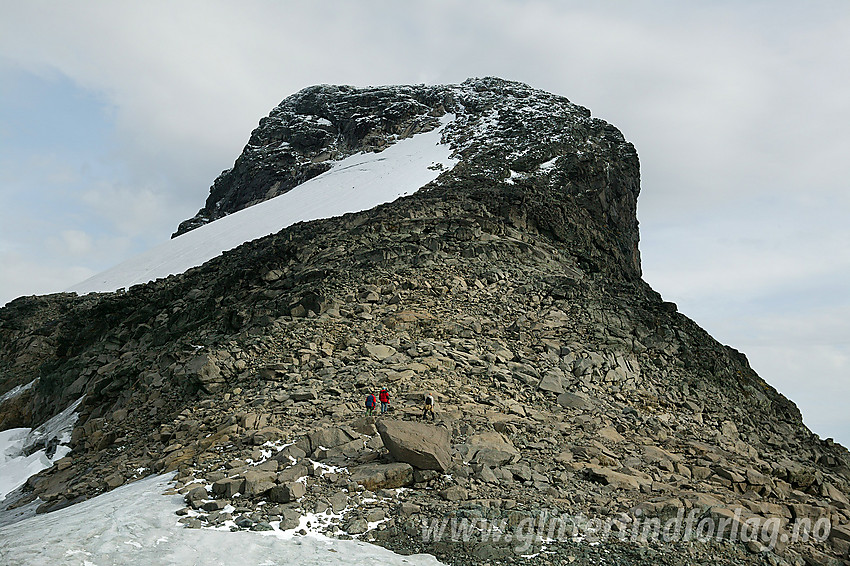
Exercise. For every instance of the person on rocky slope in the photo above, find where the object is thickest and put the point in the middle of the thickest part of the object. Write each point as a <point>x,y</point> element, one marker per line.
<point>428,409</point>
<point>384,398</point>
<point>370,404</point>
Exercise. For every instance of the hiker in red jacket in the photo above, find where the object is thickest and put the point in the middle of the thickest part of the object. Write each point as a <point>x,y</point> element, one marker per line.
<point>384,398</point>
<point>370,404</point>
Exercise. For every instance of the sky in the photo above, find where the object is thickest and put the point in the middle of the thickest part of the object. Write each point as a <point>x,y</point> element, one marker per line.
<point>115,118</point>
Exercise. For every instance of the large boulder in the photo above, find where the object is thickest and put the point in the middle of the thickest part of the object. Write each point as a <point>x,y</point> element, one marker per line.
<point>425,447</point>
<point>552,381</point>
<point>573,400</point>
<point>377,351</point>
<point>205,372</point>
<point>288,492</point>
<point>383,476</point>
<point>489,448</point>
<point>329,437</point>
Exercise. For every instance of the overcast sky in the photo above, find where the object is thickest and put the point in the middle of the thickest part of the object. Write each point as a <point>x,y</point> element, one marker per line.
<point>115,117</point>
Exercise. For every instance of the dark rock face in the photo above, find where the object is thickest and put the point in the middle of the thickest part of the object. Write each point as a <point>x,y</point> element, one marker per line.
<point>509,287</point>
<point>547,157</point>
<point>306,131</point>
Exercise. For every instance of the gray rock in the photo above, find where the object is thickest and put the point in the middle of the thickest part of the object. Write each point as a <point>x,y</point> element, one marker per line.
<point>375,515</point>
<point>377,351</point>
<point>195,494</point>
<point>339,501</point>
<point>244,522</point>
<point>191,522</point>
<point>290,519</point>
<point>329,438</point>
<point>423,476</point>
<point>257,481</point>
<point>618,480</point>
<point>304,394</point>
<point>205,371</point>
<point>229,486</point>
<point>383,476</point>
<point>552,381</point>
<point>356,526</point>
<point>292,473</point>
<point>423,446</point>
<point>288,492</point>
<point>406,509</point>
<point>491,448</point>
<point>454,493</point>
<point>570,400</point>
<point>214,505</point>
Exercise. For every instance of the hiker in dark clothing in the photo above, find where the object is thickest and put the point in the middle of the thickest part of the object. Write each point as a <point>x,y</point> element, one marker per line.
<point>428,410</point>
<point>370,404</point>
<point>384,398</point>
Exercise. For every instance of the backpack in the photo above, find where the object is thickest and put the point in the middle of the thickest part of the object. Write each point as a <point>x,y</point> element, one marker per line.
<point>370,401</point>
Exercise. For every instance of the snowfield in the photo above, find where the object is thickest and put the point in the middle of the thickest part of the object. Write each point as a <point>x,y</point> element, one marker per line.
<point>134,525</point>
<point>354,184</point>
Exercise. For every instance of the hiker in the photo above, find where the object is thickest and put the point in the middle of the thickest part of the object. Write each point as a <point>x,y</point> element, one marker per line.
<point>428,410</point>
<point>384,398</point>
<point>370,404</point>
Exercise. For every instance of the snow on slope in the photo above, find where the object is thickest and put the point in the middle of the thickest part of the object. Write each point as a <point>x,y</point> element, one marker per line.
<point>16,465</point>
<point>135,525</point>
<point>357,183</point>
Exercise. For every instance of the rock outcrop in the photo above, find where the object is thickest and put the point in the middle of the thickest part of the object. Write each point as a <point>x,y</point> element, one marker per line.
<point>567,389</point>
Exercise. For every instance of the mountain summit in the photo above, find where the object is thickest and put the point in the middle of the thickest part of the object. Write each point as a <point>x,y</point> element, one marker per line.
<point>572,404</point>
<point>504,132</point>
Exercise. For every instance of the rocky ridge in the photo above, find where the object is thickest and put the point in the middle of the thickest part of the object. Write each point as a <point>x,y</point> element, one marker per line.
<point>510,287</point>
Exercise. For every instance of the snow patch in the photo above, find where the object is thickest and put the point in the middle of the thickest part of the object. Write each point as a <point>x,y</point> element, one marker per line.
<point>135,525</point>
<point>547,165</point>
<point>15,391</point>
<point>18,457</point>
<point>354,184</point>
<point>514,175</point>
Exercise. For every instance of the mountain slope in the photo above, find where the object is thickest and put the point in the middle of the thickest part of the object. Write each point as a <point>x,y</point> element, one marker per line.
<point>356,183</point>
<point>510,287</point>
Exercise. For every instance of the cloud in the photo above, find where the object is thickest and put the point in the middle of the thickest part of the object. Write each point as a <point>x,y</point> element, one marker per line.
<point>22,275</point>
<point>77,242</point>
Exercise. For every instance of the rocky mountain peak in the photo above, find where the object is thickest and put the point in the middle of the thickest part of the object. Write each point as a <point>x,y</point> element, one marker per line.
<point>508,287</point>
<point>510,138</point>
